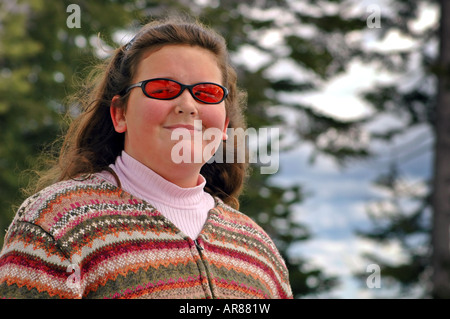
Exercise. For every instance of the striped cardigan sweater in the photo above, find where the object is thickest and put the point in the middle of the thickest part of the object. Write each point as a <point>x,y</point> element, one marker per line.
<point>90,239</point>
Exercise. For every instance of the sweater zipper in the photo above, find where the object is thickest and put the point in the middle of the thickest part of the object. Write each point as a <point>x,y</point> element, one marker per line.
<point>200,248</point>
<point>208,275</point>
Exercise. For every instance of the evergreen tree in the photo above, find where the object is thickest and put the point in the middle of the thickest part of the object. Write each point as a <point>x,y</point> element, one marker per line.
<point>401,219</point>
<point>419,98</point>
<point>441,210</point>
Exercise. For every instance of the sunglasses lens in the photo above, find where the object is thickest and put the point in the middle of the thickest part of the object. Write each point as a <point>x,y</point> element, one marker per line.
<point>162,89</point>
<point>208,93</point>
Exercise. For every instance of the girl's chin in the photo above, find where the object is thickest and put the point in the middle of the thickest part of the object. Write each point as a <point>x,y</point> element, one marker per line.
<point>187,152</point>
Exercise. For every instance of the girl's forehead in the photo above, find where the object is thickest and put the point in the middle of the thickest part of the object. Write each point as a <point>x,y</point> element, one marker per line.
<point>174,57</point>
<point>175,50</point>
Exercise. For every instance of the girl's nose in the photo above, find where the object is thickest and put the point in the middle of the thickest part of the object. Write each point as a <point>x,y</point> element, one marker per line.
<point>186,104</point>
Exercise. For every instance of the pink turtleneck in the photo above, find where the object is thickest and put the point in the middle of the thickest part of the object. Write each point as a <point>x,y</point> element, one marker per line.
<point>186,208</point>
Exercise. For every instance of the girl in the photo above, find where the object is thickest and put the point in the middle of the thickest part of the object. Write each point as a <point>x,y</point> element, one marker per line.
<point>119,217</point>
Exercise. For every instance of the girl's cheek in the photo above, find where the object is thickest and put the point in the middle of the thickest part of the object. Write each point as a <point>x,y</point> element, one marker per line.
<point>153,112</point>
<point>213,117</point>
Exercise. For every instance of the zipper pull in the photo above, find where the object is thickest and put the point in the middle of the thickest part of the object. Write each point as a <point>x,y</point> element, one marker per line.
<point>198,245</point>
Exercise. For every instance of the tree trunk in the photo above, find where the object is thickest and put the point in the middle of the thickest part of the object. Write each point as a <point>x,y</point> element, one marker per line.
<point>441,178</point>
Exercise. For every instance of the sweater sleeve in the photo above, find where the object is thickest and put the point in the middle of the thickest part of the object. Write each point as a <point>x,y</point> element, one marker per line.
<point>32,265</point>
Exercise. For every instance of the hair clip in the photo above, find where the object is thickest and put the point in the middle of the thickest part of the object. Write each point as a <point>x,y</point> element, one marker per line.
<point>130,44</point>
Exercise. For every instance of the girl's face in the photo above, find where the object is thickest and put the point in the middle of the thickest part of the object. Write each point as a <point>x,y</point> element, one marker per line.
<point>151,126</point>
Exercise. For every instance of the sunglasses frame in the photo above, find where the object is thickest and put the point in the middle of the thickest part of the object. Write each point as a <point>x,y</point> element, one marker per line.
<point>142,85</point>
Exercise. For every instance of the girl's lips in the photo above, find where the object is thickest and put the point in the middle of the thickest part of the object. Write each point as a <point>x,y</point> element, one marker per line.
<point>185,126</point>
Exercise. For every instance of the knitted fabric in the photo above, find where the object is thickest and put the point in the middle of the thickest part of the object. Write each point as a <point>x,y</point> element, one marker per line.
<point>90,239</point>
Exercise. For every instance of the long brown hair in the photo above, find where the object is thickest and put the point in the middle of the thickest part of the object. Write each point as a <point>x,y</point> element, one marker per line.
<point>91,144</point>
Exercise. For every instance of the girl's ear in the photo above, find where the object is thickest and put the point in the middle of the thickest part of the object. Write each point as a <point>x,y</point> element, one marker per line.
<point>118,115</point>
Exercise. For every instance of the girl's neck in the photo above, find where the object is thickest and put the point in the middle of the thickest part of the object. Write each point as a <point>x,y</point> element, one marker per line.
<point>184,175</point>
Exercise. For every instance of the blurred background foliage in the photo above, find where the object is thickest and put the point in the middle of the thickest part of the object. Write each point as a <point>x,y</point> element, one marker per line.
<point>43,61</point>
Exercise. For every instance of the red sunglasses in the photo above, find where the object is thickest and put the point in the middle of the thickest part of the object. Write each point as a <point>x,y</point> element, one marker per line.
<point>167,89</point>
